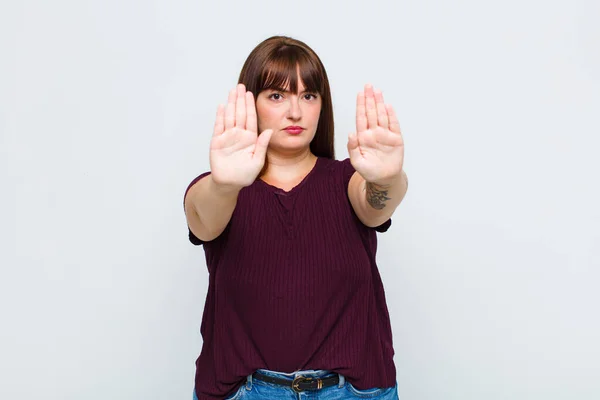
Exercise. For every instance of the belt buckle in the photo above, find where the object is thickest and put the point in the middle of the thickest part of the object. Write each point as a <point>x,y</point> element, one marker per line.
<point>296,383</point>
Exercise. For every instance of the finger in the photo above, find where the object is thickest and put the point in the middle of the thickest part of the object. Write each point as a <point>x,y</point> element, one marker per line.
<point>361,116</point>
<point>394,124</point>
<point>382,117</point>
<point>230,111</point>
<point>262,143</point>
<point>220,121</point>
<point>371,108</point>
<point>250,113</point>
<point>353,148</point>
<point>240,107</point>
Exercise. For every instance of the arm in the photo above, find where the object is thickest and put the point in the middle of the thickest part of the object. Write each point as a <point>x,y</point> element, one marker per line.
<point>376,152</point>
<point>209,207</point>
<point>374,203</point>
<point>237,155</point>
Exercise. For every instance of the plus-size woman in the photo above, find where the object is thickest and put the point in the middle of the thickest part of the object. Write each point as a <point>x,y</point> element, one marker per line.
<point>295,305</point>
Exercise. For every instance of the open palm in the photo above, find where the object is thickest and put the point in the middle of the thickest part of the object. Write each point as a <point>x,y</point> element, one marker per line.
<point>237,151</point>
<point>376,150</point>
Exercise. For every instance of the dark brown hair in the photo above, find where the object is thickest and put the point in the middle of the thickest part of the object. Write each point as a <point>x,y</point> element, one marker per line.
<point>274,63</point>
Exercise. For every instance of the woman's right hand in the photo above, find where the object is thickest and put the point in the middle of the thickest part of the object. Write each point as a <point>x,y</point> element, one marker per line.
<point>237,152</point>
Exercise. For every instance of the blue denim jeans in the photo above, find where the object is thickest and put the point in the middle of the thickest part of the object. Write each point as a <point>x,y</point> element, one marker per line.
<point>254,389</point>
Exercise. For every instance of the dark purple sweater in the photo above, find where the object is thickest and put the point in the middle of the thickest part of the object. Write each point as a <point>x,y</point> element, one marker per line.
<point>294,285</point>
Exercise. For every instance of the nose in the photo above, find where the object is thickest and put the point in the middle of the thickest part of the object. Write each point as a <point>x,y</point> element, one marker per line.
<point>294,111</point>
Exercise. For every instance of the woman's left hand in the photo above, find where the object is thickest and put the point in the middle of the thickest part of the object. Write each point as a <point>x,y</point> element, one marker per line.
<point>376,149</point>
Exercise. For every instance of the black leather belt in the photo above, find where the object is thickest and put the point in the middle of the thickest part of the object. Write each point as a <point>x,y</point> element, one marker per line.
<point>299,383</point>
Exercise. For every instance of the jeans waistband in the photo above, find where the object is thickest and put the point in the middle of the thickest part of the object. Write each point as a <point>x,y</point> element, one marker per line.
<point>313,373</point>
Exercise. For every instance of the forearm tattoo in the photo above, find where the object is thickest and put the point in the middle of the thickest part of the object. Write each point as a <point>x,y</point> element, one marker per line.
<point>377,195</point>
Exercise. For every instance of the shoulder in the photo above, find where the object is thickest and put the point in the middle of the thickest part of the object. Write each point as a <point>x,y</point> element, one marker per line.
<point>344,173</point>
<point>193,182</point>
<point>341,170</point>
<point>332,163</point>
<point>336,166</point>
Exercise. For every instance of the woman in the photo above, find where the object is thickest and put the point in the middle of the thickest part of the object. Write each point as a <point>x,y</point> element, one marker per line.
<point>295,302</point>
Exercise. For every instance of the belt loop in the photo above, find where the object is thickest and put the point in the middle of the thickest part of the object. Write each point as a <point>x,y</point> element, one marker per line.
<point>249,382</point>
<point>342,381</point>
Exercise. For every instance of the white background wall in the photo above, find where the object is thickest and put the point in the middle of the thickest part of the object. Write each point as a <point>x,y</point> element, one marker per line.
<point>491,267</point>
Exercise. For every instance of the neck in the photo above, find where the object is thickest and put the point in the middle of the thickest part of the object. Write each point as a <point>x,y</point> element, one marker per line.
<point>287,167</point>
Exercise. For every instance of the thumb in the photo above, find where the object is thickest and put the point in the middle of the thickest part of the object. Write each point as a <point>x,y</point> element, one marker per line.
<point>262,143</point>
<point>353,149</point>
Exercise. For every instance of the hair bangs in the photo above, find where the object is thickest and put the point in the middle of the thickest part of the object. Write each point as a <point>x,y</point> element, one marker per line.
<point>281,72</point>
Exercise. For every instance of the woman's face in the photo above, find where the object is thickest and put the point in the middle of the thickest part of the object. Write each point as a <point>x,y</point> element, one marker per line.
<point>279,110</point>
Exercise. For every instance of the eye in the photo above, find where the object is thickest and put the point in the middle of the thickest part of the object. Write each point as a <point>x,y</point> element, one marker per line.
<point>310,94</point>
<point>272,96</point>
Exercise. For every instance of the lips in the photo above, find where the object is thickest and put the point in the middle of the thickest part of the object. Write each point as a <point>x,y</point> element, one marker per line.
<point>294,130</point>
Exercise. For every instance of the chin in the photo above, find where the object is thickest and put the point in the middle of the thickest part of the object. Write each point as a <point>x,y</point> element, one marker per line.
<point>291,145</point>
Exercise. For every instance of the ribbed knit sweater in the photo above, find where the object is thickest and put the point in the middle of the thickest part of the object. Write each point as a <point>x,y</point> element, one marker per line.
<point>294,285</point>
